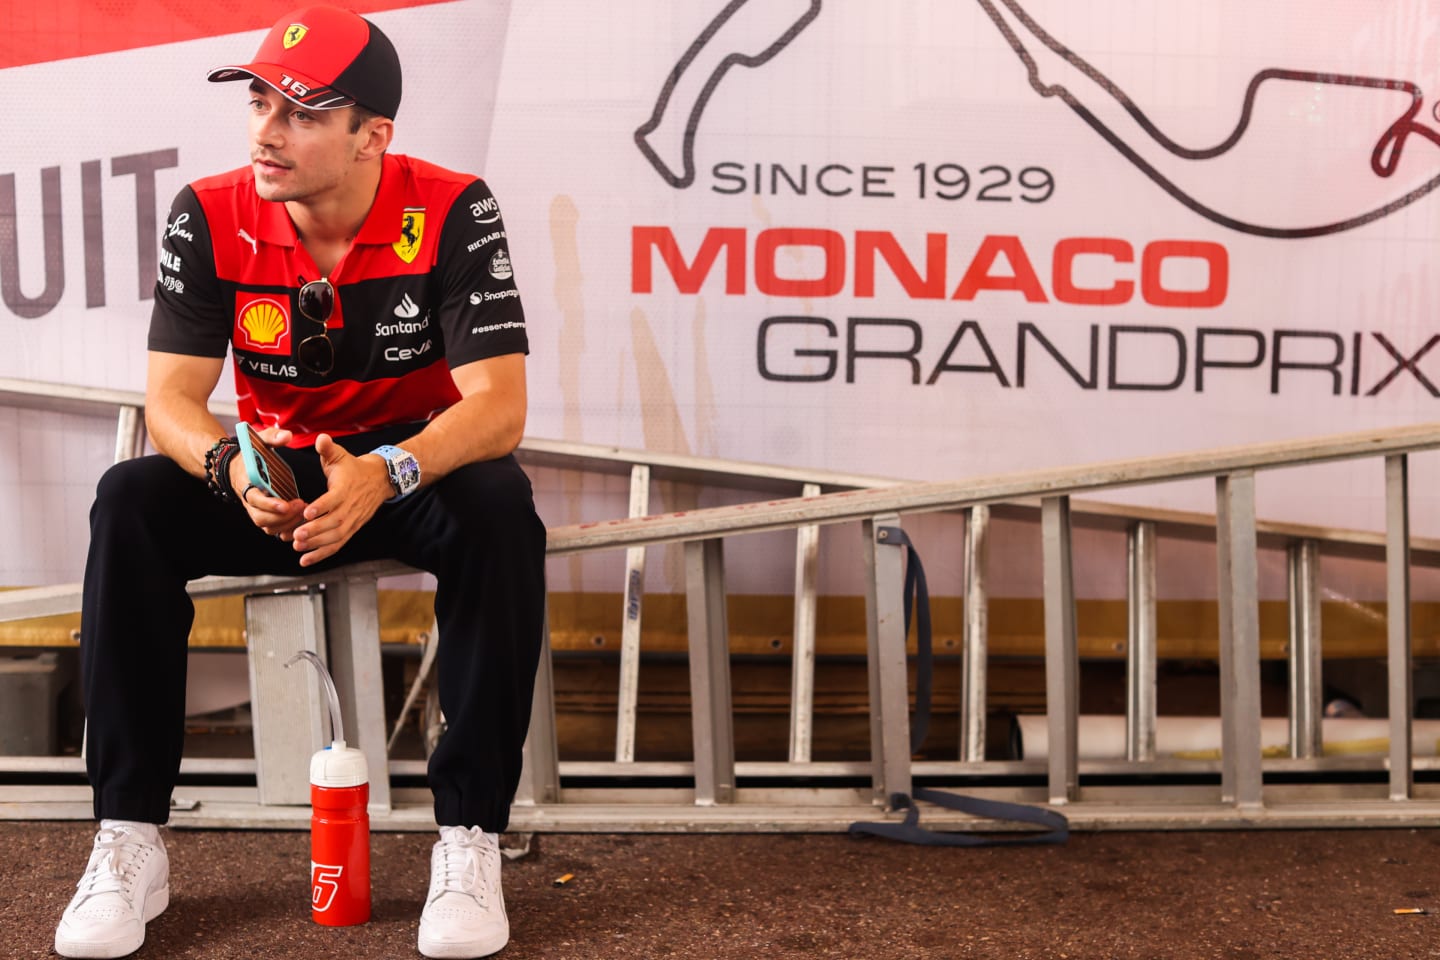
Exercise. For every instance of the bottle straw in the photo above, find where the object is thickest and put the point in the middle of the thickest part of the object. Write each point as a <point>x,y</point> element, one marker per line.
<point>337,728</point>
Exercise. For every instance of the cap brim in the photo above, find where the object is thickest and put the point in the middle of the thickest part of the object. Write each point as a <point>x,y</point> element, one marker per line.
<point>286,82</point>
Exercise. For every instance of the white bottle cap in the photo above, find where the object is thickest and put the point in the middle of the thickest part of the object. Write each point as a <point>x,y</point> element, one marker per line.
<point>338,766</point>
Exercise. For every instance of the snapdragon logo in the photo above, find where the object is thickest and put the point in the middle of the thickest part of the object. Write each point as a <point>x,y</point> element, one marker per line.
<point>477,298</point>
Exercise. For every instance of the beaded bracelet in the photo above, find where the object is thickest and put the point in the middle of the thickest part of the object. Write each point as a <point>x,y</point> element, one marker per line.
<point>222,473</point>
<point>217,467</point>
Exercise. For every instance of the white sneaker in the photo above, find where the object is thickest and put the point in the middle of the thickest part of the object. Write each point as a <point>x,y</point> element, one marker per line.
<point>125,886</point>
<point>464,914</point>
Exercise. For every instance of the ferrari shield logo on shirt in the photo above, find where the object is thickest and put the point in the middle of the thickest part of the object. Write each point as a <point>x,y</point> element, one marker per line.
<point>294,34</point>
<point>412,230</point>
<point>262,323</point>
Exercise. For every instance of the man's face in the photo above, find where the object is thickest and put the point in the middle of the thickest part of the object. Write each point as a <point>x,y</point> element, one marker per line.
<point>297,153</point>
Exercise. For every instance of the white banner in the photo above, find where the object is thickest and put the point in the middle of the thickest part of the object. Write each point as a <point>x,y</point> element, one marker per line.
<point>962,237</point>
<point>981,236</point>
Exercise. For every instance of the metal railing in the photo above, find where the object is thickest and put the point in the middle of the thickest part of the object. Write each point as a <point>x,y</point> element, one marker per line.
<point>715,792</point>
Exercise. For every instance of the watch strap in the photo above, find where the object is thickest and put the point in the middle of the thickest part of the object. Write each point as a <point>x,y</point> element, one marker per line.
<point>404,470</point>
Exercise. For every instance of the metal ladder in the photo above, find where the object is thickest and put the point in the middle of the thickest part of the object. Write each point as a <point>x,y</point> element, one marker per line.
<point>715,792</point>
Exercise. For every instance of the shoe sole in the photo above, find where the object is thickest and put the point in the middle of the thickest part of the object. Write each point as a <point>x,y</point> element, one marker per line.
<point>452,950</point>
<point>155,905</point>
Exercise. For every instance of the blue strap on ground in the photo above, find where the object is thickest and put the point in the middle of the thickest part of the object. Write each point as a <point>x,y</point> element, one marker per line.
<point>910,831</point>
<point>917,594</point>
<point>917,598</point>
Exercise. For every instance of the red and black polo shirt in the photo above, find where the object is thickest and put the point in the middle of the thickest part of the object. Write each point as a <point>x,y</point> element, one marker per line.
<point>426,286</point>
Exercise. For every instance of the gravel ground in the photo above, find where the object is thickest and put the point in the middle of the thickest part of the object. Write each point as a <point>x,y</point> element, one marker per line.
<point>1149,896</point>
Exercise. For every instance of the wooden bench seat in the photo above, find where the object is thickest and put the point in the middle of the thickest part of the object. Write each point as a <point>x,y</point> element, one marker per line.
<point>219,620</point>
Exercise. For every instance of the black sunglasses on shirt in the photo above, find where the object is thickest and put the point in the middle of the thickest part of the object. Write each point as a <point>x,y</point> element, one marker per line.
<point>317,302</point>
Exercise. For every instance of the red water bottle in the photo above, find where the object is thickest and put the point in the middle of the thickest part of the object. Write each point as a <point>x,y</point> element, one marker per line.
<point>339,836</point>
<point>339,824</point>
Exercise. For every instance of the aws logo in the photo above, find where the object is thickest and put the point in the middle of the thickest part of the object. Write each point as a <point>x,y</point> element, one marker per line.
<point>262,324</point>
<point>412,231</point>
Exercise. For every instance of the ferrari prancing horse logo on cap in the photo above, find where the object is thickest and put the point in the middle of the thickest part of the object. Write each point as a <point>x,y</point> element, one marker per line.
<point>412,229</point>
<point>294,34</point>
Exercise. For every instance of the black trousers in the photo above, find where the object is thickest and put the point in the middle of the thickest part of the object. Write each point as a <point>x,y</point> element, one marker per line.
<point>154,527</point>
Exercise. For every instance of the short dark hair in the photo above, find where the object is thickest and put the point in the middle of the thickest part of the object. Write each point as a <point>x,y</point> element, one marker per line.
<point>359,114</point>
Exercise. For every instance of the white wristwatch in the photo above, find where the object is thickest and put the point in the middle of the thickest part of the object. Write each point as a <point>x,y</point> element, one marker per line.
<point>404,470</point>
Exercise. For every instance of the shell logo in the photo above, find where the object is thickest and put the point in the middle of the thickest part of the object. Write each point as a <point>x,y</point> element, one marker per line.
<point>265,324</point>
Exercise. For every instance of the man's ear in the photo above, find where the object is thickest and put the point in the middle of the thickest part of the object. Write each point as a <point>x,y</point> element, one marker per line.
<point>375,136</point>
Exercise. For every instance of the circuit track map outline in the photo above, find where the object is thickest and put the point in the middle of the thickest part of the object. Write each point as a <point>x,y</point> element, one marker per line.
<point>1384,159</point>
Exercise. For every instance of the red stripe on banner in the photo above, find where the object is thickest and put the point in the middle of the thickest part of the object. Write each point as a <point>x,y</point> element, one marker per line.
<point>38,32</point>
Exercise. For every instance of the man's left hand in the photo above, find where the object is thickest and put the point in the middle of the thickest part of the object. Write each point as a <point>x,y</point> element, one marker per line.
<point>355,488</point>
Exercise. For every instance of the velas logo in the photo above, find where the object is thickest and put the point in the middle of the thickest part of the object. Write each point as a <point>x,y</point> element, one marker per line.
<point>262,324</point>
<point>412,231</point>
<point>294,34</point>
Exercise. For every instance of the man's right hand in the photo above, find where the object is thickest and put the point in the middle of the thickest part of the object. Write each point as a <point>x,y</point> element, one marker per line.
<point>276,517</point>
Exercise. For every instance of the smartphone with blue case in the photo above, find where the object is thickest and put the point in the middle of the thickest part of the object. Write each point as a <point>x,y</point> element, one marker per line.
<point>263,466</point>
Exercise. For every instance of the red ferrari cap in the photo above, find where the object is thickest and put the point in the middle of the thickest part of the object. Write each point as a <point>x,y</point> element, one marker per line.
<point>323,57</point>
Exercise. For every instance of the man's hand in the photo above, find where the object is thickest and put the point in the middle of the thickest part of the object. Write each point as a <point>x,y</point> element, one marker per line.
<point>276,517</point>
<point>356,486</point>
